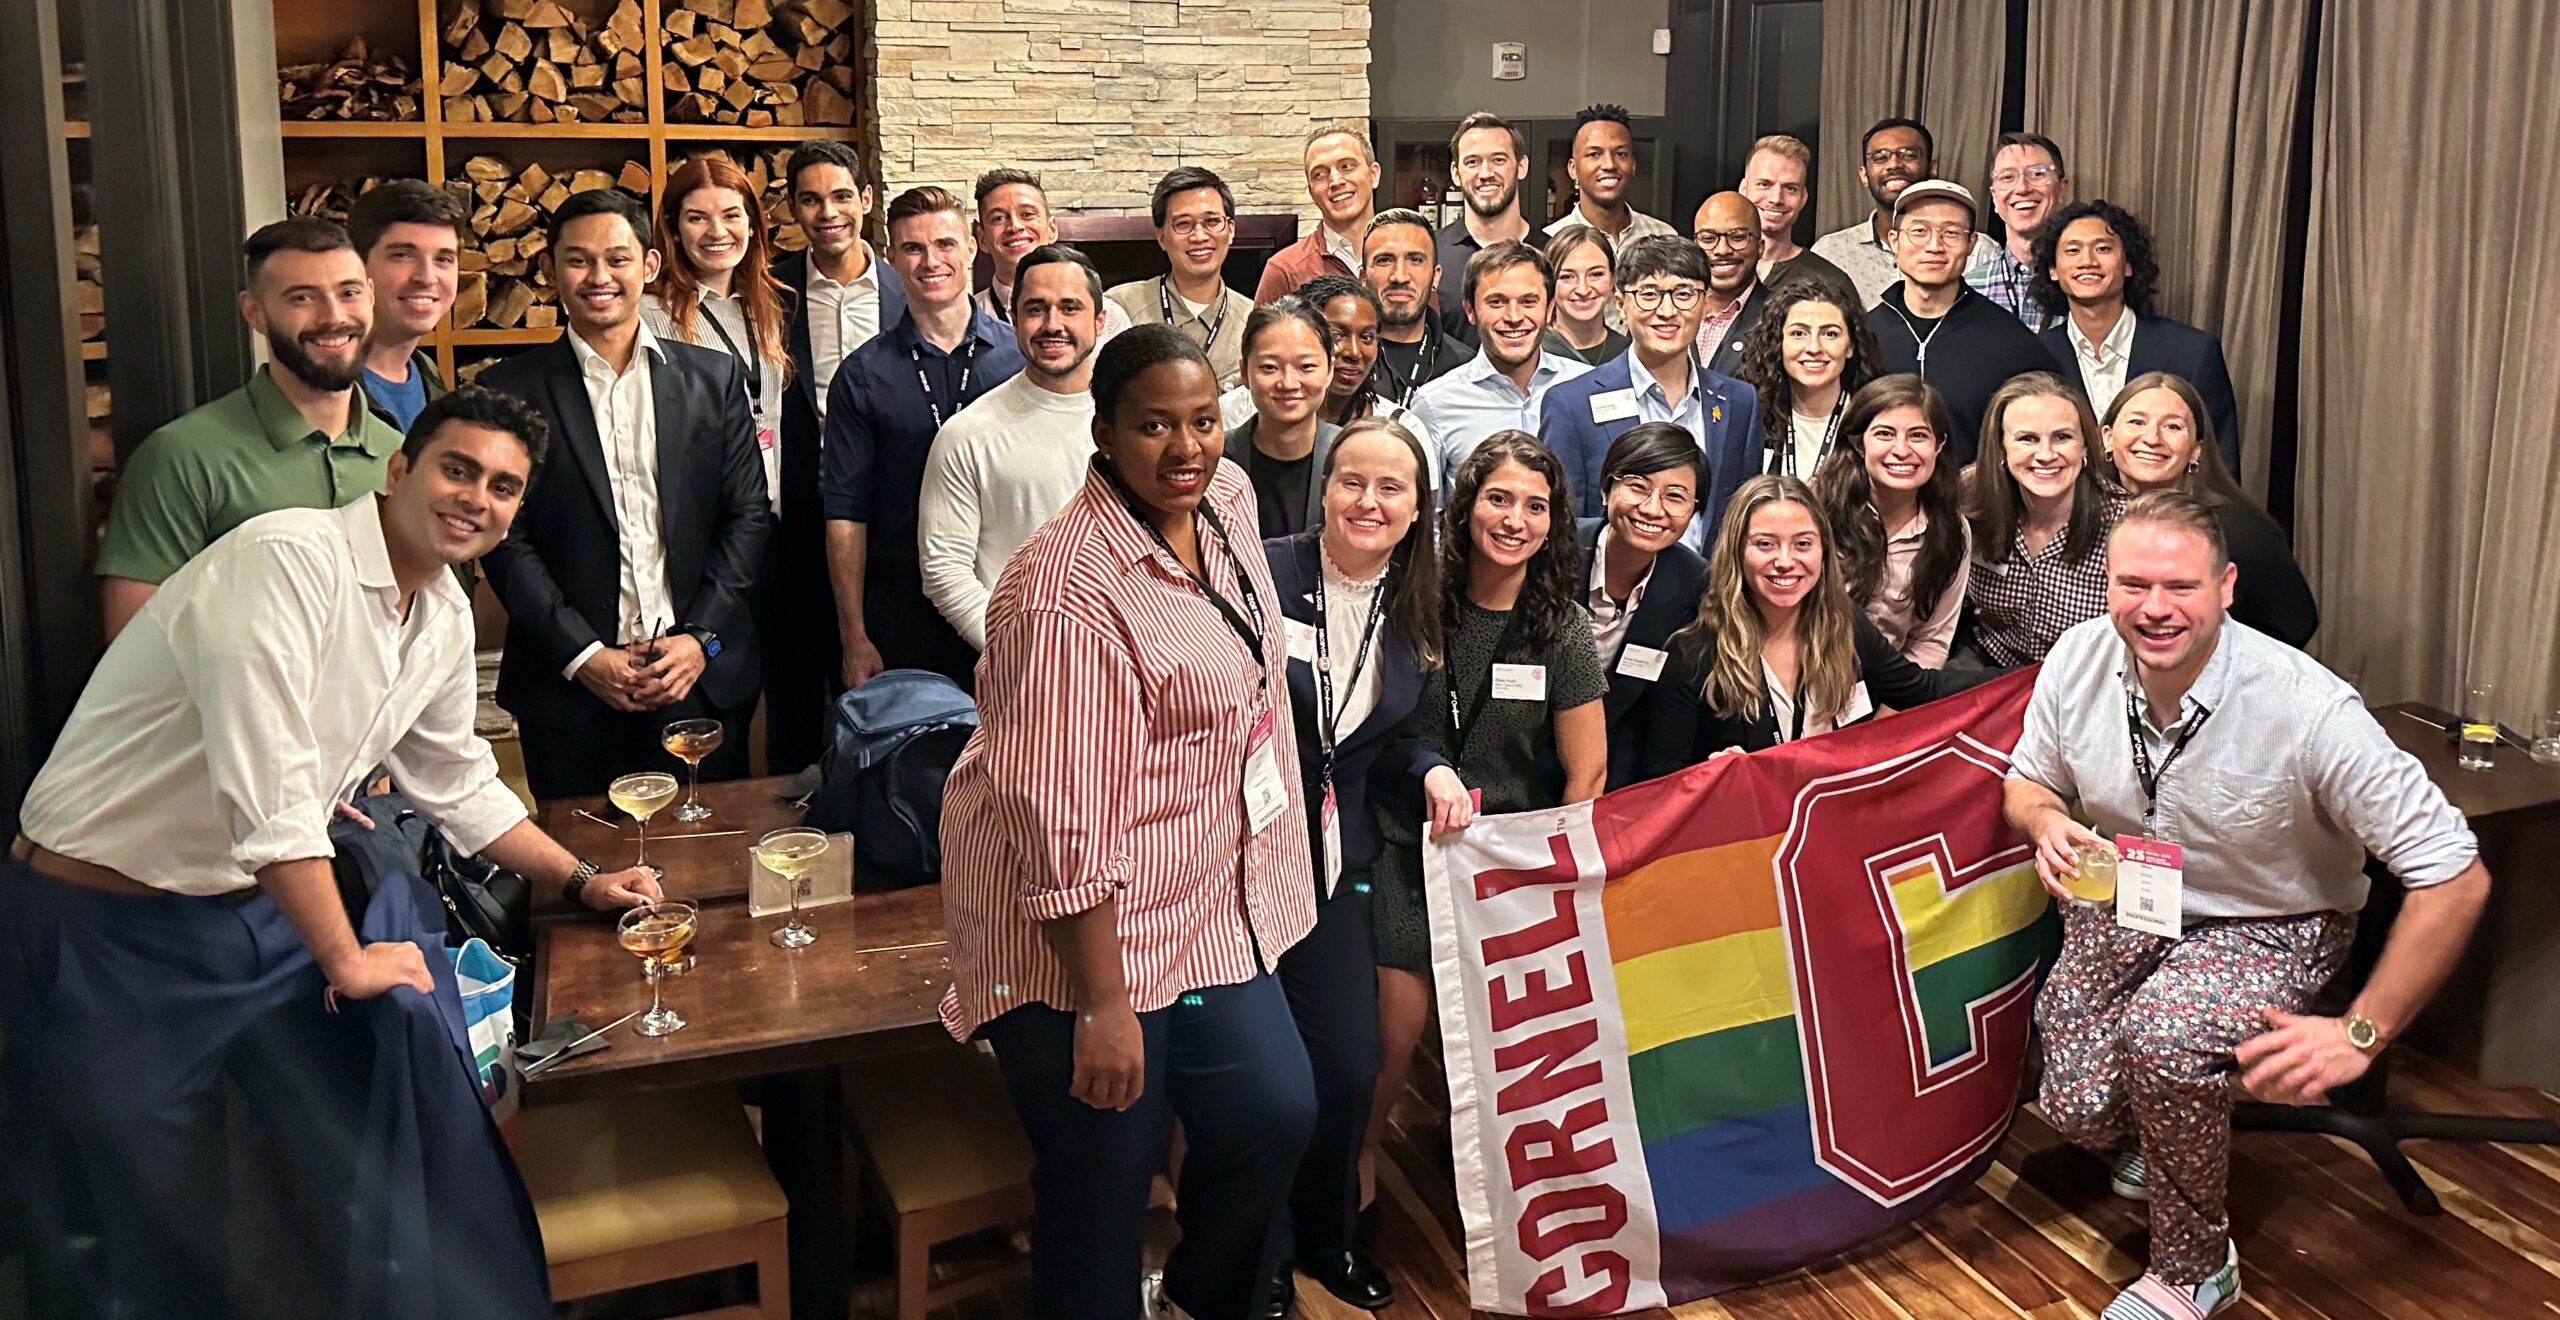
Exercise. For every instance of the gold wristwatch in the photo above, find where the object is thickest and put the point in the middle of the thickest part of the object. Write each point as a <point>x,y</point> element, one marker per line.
<point>2362,1034</point>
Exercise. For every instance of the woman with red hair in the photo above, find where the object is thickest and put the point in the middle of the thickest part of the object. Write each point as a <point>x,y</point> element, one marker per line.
<point>715,288</point>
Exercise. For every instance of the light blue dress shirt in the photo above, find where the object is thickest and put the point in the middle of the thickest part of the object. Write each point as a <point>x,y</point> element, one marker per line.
<point>1465,406</point>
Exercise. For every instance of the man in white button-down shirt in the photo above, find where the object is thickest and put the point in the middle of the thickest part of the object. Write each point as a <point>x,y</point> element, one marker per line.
<point>2242,786</point>
<point>172,895</point>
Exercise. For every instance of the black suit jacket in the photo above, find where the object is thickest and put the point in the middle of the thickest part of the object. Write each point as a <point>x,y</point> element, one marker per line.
<point>1726,353</point>
<point>1387,745</point>
<point>2161,344</point>
<point>1682,731</point>
<point>1670,603</point>
<point>559,571</point>
<point>800,425</point>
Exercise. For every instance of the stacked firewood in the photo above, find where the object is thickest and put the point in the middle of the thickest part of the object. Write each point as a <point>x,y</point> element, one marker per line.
<point>538,62</point>
<point>503,285</point>
<point>330,199</point>
<point>360,84</point>
<point>759,62</point>
<point>768,172</point>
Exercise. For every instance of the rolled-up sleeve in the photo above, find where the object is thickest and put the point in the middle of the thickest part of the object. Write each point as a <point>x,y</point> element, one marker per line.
<point>253,686</point>
<point>447,769</point>
<point>2385,799</point>
<point>1063,730</point>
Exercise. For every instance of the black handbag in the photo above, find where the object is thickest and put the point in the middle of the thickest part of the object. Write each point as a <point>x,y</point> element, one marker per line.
<point>482,900</point>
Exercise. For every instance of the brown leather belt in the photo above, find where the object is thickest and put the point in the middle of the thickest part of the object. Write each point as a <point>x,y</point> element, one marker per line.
<point>72,871</point>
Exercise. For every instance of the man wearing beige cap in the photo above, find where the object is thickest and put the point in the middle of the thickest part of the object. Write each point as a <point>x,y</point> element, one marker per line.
<point>1932,323</point>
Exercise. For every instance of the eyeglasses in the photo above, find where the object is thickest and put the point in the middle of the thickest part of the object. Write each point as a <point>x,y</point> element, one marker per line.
<point>1650,297</point>
<point>1731,238</point>
<point>1212,225</point>
<point>1888,155</point>
<point>2031,174</point>
<point>1951,235</point>
<point>1674,499</point>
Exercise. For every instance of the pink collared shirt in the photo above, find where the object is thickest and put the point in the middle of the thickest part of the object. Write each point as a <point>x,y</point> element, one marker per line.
<point>1115,703</point>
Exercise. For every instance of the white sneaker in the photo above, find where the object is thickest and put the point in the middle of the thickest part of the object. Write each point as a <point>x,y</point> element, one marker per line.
<point>2154,1298</point>
<point>1152,1302</point>
<point>2130,1177</point>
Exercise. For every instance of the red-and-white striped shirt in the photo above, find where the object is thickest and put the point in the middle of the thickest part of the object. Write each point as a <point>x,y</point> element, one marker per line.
<point>1114,705</point>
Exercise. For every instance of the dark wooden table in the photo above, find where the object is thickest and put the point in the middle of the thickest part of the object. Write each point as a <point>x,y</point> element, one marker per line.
<point>2498,1011</point>
<point>791,1018</point>
<point>705,861</point>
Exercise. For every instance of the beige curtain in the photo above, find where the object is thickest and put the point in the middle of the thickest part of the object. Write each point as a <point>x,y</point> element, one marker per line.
<point>2183,112</point>
<point>2429,510</point>
<point>1937,61</point>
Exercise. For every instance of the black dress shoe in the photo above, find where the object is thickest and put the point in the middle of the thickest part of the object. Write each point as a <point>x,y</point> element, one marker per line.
<point>1284,1293</point>
<point>1353,1277</point>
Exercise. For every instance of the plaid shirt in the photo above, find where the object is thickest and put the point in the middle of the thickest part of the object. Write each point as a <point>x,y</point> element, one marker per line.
<point>2003,279</point>
<point>2024,602</point>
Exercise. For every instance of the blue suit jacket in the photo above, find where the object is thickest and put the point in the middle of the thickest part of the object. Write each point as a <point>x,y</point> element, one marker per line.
<point>1670,604</point>
<point>1731,441</point>
<point>2161,344</point>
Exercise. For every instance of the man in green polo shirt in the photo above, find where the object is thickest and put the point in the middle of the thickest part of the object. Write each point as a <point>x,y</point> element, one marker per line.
<point>297,435</point>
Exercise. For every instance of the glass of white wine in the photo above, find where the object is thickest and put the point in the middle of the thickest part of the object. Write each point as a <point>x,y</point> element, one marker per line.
<point>689,741</point>
<point>640,796</point>
<point>658,934</point>
<point>793,853</point>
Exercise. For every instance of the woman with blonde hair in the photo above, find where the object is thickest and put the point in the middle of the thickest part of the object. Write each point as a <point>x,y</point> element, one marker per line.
<point>1777,651</point>
<point>2159,436</point>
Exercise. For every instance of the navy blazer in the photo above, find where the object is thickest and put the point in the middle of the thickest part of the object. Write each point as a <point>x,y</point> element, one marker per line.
<point>2162,344</point>
<point>559,570</point>
<point>1681,730</point>
<point>1386,744</point>
<point>1732,441</point>
<point>1670,603</point>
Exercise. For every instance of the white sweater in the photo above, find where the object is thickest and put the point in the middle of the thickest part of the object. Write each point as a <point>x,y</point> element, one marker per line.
<point>1000,468</point>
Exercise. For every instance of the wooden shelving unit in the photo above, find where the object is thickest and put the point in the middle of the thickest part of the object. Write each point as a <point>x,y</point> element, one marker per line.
<point>434,148</point>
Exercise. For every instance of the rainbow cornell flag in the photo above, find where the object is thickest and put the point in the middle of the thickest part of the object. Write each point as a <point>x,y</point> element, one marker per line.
<point>1712,1028</point>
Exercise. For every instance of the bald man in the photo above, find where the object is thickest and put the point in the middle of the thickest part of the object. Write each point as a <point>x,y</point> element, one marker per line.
<point>1728,231</point>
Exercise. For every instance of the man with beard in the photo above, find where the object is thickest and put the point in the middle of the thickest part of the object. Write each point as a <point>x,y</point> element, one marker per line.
<point>1489,160</point>
<point>297,436</point>
<point>409,233</point>
<point>627,581</point>
<point>1402,262</point>
<point>1011,460</point>
<point>1894,154</point>
<point>1510,290</point>
<point>1013,219</point>
<point>2028,188</point>
<point>1729,233</point>
<point>1342,180</point>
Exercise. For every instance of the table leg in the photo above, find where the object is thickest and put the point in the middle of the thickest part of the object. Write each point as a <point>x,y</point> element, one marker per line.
<point>804,1142</point>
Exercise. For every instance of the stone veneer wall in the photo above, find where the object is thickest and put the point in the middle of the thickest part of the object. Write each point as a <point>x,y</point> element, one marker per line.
<point>1101,97</point>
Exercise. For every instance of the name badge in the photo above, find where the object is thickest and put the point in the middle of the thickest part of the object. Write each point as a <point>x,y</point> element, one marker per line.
<point>1613,405</point>
<point>1266,795</point>
<point>2150,886</point>
<point>1332,833</point>
<point>767,438</point>
<point>1642,662</point>
<point>1860,706</point>
<point>1301,638</point>
<point>1519,682</point>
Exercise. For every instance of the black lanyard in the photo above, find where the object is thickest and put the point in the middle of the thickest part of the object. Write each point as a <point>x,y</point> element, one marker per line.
<point>754,363</point>
<point>1324,661</point>
<point>932,399</point>
<point>1460,730</point>
<point>997,304</point>
<point>2142,768</point>
<point>1164,297</point>
<point>1386,371</point>
<point>1250,633</point>
<point>1830,429</point>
